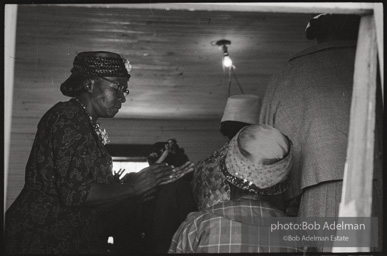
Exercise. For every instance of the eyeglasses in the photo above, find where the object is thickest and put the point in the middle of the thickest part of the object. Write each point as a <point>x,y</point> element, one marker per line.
<point>119,88</point>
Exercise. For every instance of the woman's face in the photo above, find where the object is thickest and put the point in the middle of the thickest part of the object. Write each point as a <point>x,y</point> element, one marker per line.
<point>107,98</point>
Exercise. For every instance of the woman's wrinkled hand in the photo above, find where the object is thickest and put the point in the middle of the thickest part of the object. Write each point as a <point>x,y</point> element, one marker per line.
<point>177,172</point>
<point>180,172</point>
<point>150,177</point>
<point>145,181</point>
<point>185,168</point>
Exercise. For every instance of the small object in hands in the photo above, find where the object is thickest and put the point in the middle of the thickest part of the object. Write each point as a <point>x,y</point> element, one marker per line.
<point>172,146</point>
<point>167,152</point>
<point>163,156</point>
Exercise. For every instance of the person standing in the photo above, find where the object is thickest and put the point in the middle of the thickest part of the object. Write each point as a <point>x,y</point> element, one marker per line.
<point>309,101</point>
<point>69,183</point>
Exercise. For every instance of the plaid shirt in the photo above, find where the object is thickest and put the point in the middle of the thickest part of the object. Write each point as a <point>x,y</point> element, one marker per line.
<point>228,227</point>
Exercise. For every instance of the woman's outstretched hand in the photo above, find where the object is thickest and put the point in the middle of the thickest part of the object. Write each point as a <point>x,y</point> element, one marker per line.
<point>177,173</point>
<point>146,180</point>
<point>180,172</point>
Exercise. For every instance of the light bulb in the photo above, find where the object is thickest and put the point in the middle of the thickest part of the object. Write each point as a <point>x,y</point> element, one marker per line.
<point>227,62</point>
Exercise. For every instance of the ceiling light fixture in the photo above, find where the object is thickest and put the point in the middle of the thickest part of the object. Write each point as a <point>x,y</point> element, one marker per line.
<point>227,62</point>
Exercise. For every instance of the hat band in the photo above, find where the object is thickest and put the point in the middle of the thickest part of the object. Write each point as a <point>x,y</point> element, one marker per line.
<point>98,73</point>
<point>101,66</point>
<point>250,186</point>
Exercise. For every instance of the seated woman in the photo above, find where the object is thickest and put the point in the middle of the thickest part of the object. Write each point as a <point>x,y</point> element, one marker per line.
<point>256,166</point>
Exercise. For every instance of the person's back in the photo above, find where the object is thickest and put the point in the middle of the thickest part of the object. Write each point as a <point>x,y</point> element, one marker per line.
<point>223,227</point>
<point>310,102</point>
<point>256,167</point>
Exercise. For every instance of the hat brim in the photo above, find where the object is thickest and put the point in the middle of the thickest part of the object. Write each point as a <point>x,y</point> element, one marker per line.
<point>248,176</point>
<point>244,184</point>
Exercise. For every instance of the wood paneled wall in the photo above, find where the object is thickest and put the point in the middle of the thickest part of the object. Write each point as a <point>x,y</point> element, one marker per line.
<point>176,71</point>
<point>198,138</point>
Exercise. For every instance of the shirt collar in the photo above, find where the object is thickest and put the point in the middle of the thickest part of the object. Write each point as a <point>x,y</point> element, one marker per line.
<point>324,46</point>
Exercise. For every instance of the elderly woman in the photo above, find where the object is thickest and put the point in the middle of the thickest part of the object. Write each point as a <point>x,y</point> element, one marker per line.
<point>69,181</point>
<point>256,165</point>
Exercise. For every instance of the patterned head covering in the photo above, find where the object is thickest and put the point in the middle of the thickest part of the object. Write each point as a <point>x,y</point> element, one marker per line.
<point>242,108</point>
<point>95,64</point>
<point>258,160</point>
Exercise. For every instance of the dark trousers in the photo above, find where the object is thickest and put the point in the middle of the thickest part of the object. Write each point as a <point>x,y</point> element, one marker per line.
<point>148,227</point>
<point>121,221</point>
<point>172,205</point>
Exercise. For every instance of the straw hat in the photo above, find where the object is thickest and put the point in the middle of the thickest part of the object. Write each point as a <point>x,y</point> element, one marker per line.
<point>259,159</point>
<point>242,108</point>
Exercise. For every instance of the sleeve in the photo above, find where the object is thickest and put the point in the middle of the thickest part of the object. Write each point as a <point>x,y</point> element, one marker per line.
<point>187,237</point>
<point>270,101</point>
<point>198,173</point>
<point>196,180</point>
<point>71,147</point>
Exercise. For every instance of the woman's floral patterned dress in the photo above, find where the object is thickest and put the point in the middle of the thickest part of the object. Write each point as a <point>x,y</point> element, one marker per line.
<point>50,215</point>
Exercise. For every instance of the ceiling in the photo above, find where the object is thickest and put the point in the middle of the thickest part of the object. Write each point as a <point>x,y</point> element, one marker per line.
<point>176,70</point>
